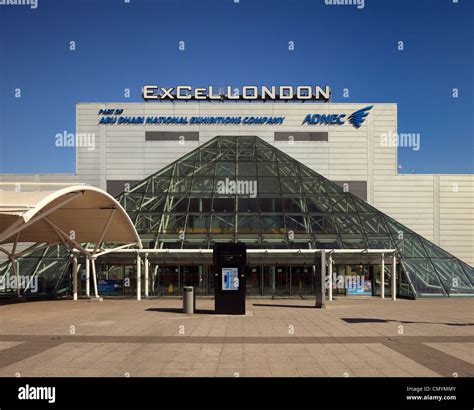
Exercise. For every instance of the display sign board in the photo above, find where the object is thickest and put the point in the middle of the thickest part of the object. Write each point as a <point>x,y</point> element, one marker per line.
<point>230,279</point>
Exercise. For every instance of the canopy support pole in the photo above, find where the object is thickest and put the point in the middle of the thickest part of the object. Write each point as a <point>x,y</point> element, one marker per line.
<point>139,277</point>
<point>146,265</point>
<point>75,267</point>
<point>88,276</point>
<point>394,277</point>
<point>330,277</point>
<point>94,277</point>
<point>382,277</point>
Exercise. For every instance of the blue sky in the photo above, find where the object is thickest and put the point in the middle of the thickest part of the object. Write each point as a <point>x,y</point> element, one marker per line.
<point>126,45</point>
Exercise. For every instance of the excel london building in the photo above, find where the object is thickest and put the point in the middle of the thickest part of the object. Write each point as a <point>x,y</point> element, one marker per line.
<point>284,177</point>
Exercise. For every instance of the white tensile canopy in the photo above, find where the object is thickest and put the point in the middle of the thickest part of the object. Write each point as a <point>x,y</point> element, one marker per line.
<point>72,216</point>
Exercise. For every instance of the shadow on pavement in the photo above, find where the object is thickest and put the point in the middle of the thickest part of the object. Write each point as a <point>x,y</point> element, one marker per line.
<point>180,310</point>
<point>374,320</point>
<point>284,306</point>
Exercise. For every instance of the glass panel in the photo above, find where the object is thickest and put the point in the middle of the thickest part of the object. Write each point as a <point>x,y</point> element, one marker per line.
<point>270,204</point>
<point>347,223</point>
<point>296,224</point>
<point>293,204</point>
<point>184,169</point>
<point>173,223</point>
<point>248,224</point>
<point>322,241</point>
<point>226,169</point>
<point>276,280</point>
<point>175,204</point>
<point>342,203</point>
<point>221,204</point>
<point>380,242</point>
<point>180,185</point>
<point>247,168</point>
<point>168,281</point>
<point>322,223</point>
<point>422,276</point>
<point>394,226</point>
<point>194,276</point>
<point>333,188</point>
<point>273,224</point>
<point>249,205</point>
<point>410,246</point>
<point>289,169</point>
<point>313,185</point>
<point>202,185</point>
<point>268,185</point>
<point>204,169</point>
<point>452,275</point>
<point>207,154</point>
<point>469,270</point>
<point>267,169</point>
<point>253,280</point>
<point>147,223</point>
<point>198,223</point>
<point>373,223</point>
<point>353,242</point>
<point>318,203</point>
<point>290,185</point>
<point>223,223</point>
<point>200,204</point>
<point>302,280</point>
<point>434,251</point>
<point>362,206</point>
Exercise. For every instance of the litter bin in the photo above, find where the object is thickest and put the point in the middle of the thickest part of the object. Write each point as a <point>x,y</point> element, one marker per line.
<point>188,299</point>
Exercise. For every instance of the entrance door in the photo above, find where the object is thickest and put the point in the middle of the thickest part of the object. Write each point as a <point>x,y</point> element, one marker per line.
<point>168,281</point>
<point>276,280</point>
<point>254,280</point>
<point>377,279</point>
<point>302,280</point>
<point>194,276</point>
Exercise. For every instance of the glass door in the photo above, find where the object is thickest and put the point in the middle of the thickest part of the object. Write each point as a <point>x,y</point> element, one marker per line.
<point>302,280</point>
<point>194,276</point>
<point>168,281</point>
<point>276,280</point>
<point>254,280</point>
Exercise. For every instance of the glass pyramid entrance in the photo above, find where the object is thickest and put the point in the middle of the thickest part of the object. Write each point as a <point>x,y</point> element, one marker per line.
<point>244,189</point>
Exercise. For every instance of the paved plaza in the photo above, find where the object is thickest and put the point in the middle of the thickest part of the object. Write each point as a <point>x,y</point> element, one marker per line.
<point>281,337</point>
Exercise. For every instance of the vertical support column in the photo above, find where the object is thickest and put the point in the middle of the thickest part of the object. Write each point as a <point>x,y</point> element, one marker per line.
<point>139,277</point>
<point>88,276</point>
<point>320,282</point>
<point>74,276</point>
<point>382,277</point>
<point>394,277</point>
<point>146,265</point>
<point>330,276</point>
<point>16,274</point>
<point>94,277</point>
<point>273,280</point>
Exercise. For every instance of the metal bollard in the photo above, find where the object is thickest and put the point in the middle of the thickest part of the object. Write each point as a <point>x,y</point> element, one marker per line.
<point>188,299</point>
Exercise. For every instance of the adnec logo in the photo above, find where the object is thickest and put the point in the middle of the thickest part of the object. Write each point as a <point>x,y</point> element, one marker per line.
<point>356,118</point>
